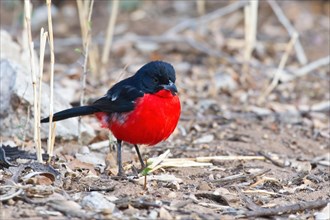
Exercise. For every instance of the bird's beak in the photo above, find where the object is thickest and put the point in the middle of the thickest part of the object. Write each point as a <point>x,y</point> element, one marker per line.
<point>170,87</point>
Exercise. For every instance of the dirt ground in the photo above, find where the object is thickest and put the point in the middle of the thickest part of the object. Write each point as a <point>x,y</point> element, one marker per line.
<point>238,155</point>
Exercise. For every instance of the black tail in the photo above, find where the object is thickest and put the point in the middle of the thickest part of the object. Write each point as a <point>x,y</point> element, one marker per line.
<point>72,112</point>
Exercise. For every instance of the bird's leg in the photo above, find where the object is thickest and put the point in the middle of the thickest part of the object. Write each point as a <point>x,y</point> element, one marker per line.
<point>119,161</point>
<point>140,157</point>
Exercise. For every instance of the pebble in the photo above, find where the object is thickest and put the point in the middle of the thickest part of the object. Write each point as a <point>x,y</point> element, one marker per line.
<point>204,186</point>
<point>172,195</point>
<point>205,139</point>
<point>153,214</point>
<point>96,201</point>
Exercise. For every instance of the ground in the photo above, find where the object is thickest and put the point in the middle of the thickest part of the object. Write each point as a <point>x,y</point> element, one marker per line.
<point>241,152</point>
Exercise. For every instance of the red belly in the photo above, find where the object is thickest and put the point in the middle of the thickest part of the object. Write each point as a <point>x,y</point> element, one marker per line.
<point>153,120</point>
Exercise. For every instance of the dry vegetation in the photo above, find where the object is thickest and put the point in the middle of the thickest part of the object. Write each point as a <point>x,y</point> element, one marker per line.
<point>253,138</point>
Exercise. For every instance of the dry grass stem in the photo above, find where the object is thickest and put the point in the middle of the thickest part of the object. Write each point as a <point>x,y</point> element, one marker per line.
<point>110,30</point>
<point>52,62</point>
<point>43,39</point>
<point>251,20</point>
<point>301,56</point>
<point>280,68</point>
<point>259,191</point>
<point>85,10</point>
<point>206,18</point>
<point>27,10</point>
<point>51,150</point>
<point>200,7</point>
<point>86,35</point>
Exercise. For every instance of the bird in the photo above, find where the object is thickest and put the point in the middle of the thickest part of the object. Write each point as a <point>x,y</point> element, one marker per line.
<point>143,109</point>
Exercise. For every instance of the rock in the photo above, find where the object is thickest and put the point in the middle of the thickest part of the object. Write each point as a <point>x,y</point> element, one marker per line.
<point>84,150</point>
<point>17,96</point>
<point>96,201</point>
<point>323,214</point>
<point>164,214</point>
<point>205,139</point>
<point>204,186</point>
<point>92,158</point>
<point>172,195</point>
<point>7,79</point>
<point>153,214</point>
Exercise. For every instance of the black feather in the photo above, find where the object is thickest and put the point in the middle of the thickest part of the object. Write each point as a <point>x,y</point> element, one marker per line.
<point>72,112</point>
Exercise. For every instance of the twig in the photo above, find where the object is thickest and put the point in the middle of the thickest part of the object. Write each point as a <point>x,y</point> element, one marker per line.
<point>280,68</point>
<point>260,191</point>
<point>280,210</point>
<point>200,7</point>
<point>312,66</point>
<point>43,39</point>
<point>51,152</point>
<point>290,29</point>
<point>251,19</point>
<point>27,10</point>
<point>249,203</point>
<point>240,177</point>
<point>85,22</point>
<point>86,41</point>
<point>272,158</point>
<point>10,195</point>
<point>52,63</point>
<point>110,30</point>
<point>225,158</point>
<point>287,76</point>
<point>206,18</point>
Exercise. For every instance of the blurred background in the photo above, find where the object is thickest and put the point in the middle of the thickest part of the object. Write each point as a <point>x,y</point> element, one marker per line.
<point>222,73</point>
<point>253,79</point>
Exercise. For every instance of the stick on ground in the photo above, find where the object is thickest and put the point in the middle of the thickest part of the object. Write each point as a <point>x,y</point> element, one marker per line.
<point>280,210</point>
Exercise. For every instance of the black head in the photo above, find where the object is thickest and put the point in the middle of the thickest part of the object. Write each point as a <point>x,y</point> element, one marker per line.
<point>155,76</point>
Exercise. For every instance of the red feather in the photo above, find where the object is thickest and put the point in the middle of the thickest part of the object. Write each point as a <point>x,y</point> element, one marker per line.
<point>153,119</point>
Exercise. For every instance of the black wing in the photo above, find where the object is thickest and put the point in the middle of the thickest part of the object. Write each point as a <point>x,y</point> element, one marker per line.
<point>118,99</point>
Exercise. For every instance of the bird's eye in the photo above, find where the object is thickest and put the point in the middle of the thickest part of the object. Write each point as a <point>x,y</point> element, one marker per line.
<point>156,80</point>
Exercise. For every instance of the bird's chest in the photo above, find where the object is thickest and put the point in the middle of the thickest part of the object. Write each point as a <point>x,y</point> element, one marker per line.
<point>153,119</point>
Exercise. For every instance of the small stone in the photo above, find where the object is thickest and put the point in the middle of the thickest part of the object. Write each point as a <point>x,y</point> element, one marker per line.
<point>164,214</point>
<point>205,139</point>
<point>211,177</point>
<point>172,195</point>
<point>96,201</point>
<point>204,186</point>
<point>153,214</point>
<point>323,214</point>
<point>11,202</point>
<point>84,150</point>
<point>131,211</point>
